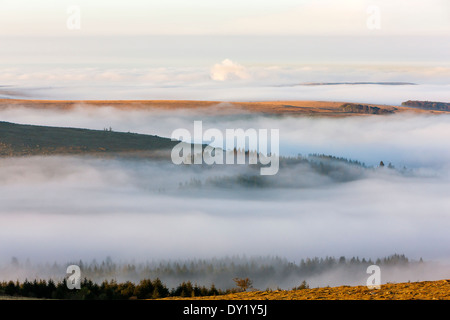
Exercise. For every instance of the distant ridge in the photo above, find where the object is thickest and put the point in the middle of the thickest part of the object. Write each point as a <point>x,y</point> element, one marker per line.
<point>357,83</point>
<point>215,108</point>
<point>427,105</point>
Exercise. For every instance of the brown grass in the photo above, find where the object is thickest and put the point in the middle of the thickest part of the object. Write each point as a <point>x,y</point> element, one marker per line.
<point>309,108</point>
<point>425,290</point>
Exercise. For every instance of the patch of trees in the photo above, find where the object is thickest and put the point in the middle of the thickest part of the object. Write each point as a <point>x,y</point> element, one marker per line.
<point>338,169</point>
<point>107,290</point>
<point>363,108</point>
<point>242,180</point>
<point>427,105</point>
<point>337,159</point>
<point>291,174</point>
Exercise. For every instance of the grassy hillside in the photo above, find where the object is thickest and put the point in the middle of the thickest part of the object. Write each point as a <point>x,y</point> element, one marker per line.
<point>20,140</point>
<point>425,290</point>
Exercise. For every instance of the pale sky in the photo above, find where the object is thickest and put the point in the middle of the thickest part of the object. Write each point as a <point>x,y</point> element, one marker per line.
<point>229,17</point>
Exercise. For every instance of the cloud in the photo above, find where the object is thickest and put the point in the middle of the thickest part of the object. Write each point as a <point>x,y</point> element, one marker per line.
<point>228,70</point>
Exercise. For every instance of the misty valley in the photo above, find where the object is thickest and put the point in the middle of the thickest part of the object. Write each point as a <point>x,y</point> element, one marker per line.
<point>76,195</point>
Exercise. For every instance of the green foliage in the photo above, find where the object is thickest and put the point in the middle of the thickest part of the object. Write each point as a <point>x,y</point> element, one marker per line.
<point>144,290</point>
<point>107,290</point>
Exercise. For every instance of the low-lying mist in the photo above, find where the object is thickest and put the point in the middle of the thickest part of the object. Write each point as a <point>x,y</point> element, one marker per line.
<point>62,208</point>
<point>67,208</point>
<point>264,272</point>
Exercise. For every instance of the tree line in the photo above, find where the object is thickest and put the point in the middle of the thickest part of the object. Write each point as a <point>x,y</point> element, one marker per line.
<point>107,290</point>
<point>186,278</point>
<point>427,105</point>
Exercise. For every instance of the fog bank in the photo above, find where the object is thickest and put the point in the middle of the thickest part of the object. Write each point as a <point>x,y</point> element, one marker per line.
<point>62,208</point>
